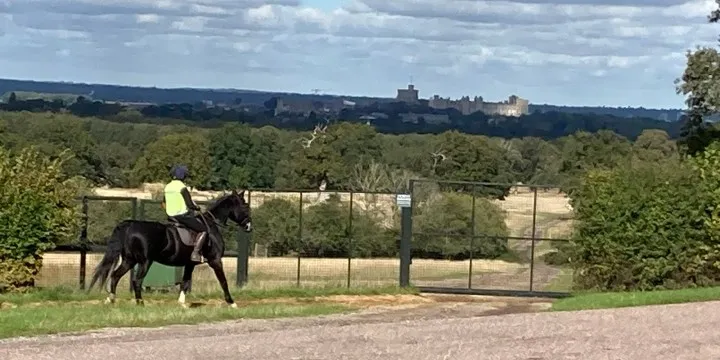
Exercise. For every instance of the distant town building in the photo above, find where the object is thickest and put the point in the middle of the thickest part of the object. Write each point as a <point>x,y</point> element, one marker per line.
<point>514,106</point>
<point>409,95</point>
<point>302,106</point>
<point>434,119</point>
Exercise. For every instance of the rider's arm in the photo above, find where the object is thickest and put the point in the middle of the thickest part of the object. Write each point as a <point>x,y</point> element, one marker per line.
<point>188,200</point>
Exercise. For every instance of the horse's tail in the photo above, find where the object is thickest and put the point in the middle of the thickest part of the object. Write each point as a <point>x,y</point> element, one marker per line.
<point>112,255</point>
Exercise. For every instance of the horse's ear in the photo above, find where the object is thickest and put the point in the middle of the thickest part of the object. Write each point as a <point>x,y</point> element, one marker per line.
<point>234,192</point>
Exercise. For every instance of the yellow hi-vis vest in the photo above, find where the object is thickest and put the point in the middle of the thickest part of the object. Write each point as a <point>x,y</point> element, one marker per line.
<point>174,201</point>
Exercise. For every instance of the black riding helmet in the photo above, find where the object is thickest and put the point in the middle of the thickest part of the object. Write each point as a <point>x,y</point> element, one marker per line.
<point>180,172</point>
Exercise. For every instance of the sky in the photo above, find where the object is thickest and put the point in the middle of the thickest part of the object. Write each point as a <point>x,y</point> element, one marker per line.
<point>562,52</point>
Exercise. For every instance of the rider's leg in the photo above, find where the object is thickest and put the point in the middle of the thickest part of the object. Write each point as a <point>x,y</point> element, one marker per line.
<point>196,225</point>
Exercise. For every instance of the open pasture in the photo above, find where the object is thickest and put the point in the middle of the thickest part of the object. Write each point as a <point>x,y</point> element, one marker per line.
<point>276,272</point>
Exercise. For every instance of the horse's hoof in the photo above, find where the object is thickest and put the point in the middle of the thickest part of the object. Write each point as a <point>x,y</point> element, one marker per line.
<point>109,301</point>
<point>140,302</point>
<point>233,305</point>
<point>184,305</point>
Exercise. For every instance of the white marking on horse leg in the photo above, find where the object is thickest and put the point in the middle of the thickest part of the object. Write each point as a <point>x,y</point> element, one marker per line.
<point>181,298</point>
<point>110,299</point>
<point>233,305</point>
<point>118,262</point>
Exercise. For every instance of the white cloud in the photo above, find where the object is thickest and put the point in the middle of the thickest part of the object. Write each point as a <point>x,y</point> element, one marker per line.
<point>565,52</point>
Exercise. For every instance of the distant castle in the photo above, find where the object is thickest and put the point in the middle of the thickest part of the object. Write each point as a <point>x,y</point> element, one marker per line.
<point>514,106</point>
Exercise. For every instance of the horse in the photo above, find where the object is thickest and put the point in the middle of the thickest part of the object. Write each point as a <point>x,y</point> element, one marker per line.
<point>139,242</point>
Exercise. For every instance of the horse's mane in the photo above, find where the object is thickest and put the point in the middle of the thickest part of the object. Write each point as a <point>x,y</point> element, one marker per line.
<point>217,202</point>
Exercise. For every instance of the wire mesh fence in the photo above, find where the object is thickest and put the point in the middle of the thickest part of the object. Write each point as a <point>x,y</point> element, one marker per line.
<point>324,238</point>
<point>489,236</point>
<point>300,238</point>
<point>464,236</point>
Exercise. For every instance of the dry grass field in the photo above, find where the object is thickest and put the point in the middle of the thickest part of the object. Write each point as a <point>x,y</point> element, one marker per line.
<point>553,220</point>
<point>264,272</point>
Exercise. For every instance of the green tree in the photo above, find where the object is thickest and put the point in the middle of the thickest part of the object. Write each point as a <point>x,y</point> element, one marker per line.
<point>242,157</point>
<point>277,226</point>
<point>328,232</point>
<point>698,84</point>
<point>445,228</point>
<point>460,156</point>
<point>159,157</point>
<point>328,154</point>
<point>38,211</point>
<point>654,145</point>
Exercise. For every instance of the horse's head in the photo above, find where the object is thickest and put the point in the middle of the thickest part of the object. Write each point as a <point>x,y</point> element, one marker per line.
<point>239,210</point>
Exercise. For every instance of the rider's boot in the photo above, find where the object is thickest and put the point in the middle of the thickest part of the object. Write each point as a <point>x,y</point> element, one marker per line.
<point>199,241</point>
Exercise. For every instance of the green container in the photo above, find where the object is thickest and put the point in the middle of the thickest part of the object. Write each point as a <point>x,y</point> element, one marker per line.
<point>162,276</point>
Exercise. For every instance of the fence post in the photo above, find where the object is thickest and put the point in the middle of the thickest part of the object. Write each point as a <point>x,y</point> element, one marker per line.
<point>532,239</point>
<point>83,242</point>
<point>243,253</point>
<point>141,209</point>
<point>404,202</point>
<point>134,203</point>
<point>300,239</point>
<point>350,240</point>
<point>405,240</point>
<point>472,239</point>
<point>243,257</point>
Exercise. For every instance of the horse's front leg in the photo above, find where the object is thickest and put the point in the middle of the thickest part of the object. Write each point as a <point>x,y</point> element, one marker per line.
<point>216,265</point>
<point>186,283</point>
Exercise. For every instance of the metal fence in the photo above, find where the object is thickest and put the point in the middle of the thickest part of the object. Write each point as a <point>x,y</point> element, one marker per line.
<point>489,238</point>
<point>459,237</point>
<point>300,238</point>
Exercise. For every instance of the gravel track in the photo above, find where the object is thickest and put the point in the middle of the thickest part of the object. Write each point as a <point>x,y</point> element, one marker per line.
<point>442,331</point>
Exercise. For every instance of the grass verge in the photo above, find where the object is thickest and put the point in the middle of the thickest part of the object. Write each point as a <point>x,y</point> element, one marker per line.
<point>609,300</point>
<point>31,321</point>
<point>61,309</point>
<point>61,294</point>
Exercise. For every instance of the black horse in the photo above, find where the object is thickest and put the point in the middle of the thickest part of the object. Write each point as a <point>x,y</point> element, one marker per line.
<point>144,242</point>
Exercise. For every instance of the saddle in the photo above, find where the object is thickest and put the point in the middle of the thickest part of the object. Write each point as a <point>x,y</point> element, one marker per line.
<point>179,231</point>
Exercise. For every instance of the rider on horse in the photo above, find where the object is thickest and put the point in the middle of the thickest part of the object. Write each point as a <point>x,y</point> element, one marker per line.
<point>180,206</point>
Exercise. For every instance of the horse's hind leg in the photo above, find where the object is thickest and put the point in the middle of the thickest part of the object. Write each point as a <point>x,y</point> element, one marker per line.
<point>115,276</point>
<point>186,282</point>
<point>138,280</point>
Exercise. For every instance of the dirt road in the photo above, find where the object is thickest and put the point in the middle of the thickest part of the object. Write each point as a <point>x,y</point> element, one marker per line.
<point>687,331</point>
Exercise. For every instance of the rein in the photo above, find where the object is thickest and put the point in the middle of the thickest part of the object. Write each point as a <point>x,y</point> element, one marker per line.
<point>214,219</point>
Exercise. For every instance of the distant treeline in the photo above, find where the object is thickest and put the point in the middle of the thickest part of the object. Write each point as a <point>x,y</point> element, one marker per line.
<point>549,125</point>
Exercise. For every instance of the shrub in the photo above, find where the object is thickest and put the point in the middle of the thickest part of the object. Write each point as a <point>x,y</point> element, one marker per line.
<point>277,223</point>
<point>443,227</point>
<point>327,232</point>
<point>643,226</point>
<point>38,210</point>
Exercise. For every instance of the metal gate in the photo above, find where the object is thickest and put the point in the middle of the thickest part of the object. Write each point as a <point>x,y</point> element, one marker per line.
<point>486,238</point>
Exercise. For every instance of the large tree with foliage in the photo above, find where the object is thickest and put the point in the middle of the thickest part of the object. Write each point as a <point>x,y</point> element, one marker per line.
<point>699,85</point>
<point>191,150</point>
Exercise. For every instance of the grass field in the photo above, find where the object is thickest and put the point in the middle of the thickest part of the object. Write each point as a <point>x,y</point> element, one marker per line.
<point>607,300</point>
<point>275,272</point>
<point>552,220</point>
<point>63,269</point>
<point>59,310</point>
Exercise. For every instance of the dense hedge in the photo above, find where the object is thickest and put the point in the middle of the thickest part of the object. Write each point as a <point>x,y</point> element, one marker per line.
<point>643,226</point>
<point>37,211</point>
